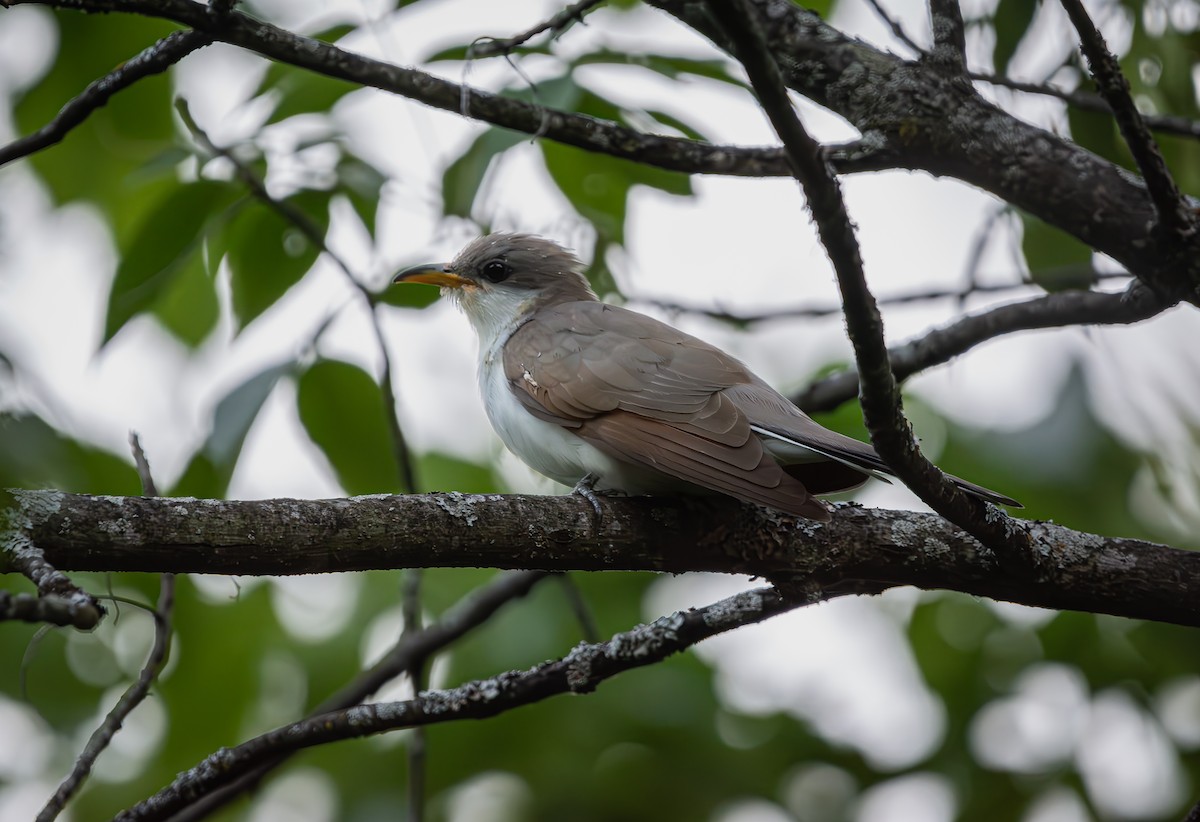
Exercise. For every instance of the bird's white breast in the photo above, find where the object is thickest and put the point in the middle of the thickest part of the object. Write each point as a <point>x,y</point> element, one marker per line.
<point>545,447</point>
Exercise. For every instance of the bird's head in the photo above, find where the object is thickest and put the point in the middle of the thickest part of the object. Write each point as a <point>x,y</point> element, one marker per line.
<point>500,277</point>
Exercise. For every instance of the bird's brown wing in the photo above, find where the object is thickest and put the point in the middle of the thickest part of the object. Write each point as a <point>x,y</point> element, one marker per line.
<point>648,394</point>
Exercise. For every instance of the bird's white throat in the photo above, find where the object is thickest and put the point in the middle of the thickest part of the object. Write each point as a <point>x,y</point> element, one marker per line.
<point>493,315</point>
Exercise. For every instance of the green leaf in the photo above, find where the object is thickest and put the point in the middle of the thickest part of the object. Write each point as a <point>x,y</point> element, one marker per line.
<point>598,186</point>
<point>441,472</point>
<point>236,412</point>
<point>37,456</point>
<point>163,249</point>
<point>362,184</point>
<point>189,308</point>
<point>268,254</point>
<point>460,183</point>
<point>462,179</point>
<point>97,160</point>
<point>670,67</point>
<point>1097,132</point>
<point>460,53</point>
<point>342,410</point>
<point>408,295</point>
<point>1056,260</point>
<point>209,471</point>
<point>1011,21</point>
<point>686,129</point>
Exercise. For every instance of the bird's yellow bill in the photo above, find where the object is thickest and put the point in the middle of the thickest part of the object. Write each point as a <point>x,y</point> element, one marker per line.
<point>431,274</point>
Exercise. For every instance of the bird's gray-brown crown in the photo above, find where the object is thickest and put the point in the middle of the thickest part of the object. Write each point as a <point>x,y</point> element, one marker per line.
<point>510,262</point>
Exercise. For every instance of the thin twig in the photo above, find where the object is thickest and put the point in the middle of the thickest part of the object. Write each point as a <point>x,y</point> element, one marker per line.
<point>581,671</point>
<point>417,670</point>
<point>895,26</point>
<point>891,433</point>
<point>579,607</point>
<point>1067,308</point>
<point>556,25</point>
<point>814,311</point>
<point>313,233</point>
<point>472,611</point>
<point>153,60</point>
<point>1173,213</point>
<point>1166,123</point>
<point>139,689</point>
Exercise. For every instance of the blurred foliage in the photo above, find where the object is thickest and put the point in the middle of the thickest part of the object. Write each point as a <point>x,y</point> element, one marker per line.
<point>658,743</point>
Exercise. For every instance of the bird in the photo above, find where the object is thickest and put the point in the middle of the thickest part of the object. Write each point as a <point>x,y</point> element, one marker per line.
<point>609,400</point>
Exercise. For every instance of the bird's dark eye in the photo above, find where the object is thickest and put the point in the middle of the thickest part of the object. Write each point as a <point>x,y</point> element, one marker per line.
<point>496,271</point>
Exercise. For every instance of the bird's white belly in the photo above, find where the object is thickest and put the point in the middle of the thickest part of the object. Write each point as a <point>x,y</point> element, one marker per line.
<point>553,450</point>
<point>545,447</point>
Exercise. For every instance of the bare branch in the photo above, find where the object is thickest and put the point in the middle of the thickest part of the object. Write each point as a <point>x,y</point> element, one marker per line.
<point>556,25</point>
<point>581,671</point>
<point>154,60</point>
<point>1067,308</point>
<point>1173,212</point>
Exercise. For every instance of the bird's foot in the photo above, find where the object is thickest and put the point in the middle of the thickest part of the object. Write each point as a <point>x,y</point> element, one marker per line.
<point>586,488</point>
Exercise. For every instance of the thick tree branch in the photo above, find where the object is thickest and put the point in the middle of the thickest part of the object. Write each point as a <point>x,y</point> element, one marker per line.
<point>581,671</point>
<point>1082,571</point>
<point>1173,213</point>
<point>940,345</point>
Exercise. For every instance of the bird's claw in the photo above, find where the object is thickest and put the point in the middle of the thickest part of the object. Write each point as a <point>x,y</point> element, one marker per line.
<point>586,488</point>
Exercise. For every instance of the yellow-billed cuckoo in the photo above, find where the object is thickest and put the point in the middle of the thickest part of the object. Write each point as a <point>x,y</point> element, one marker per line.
<point>593,394</point>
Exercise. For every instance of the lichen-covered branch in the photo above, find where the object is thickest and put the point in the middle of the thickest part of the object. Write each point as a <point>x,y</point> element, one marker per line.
<point>1081,571</point>
<point>580,671</point>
